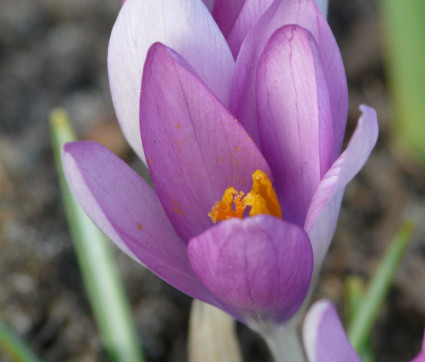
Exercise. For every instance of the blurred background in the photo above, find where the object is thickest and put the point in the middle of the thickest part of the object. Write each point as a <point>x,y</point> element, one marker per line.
<point>53,53</point>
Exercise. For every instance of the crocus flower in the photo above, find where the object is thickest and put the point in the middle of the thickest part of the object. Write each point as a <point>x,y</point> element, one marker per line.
<point>325,339</point>
<point>324,336</point>
<point>241,123</point>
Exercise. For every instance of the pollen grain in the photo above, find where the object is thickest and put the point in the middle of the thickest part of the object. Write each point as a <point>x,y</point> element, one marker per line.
<point>262,199</point>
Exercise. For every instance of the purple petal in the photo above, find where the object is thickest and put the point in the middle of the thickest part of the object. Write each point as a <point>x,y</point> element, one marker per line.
<point>324,209</point>
<point>225,13</point>
<point>306,14</point>
<point>323,6</point>
<point>421,356</point>
<point>260,266</point>
<point>184,25</point>
<point>324,336</point>
<point>195,147</point>
<point>251,12</point>
<point>323,212</point>
<point>209,4</point>
<point>294,118</point>
<point>128,211</point>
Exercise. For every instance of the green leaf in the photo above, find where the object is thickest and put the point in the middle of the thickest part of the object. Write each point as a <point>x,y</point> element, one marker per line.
<point>367,311</point>
<point>14,346</point>
<point>404,34</point>
<point>100,276</point>
<point>355,290</point>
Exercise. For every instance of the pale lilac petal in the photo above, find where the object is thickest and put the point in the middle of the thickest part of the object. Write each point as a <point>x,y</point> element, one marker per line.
<point>260,266</point>
<point>323,212</point>
<point>324,336</point>
<point>306,14</point>
<point>421,356</point>
<point>195,147</point>
<point>184,25</point>
<point>294,118</point>
<point>128,211</point>
<point>323,6</point>
<point>251,12</point>
<point>324,209</point>
<point>225,13</point>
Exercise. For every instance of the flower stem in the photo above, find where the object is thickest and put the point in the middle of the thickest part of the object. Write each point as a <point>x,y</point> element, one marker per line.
<point>285,345</point>
<point>212,335</point>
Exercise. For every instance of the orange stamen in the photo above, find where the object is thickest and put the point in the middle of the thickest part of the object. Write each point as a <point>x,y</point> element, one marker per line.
<point>262,199</point>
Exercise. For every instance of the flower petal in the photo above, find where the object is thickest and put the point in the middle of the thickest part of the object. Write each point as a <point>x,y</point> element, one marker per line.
<point>323,6</point>
<point>421,356</point>
<point>260,266</point>
<point>251,12</point>
<point>306,14</point>
<point>209,4</point>
<point>226,12</point>
<point>294,117</point>
<point>324,209</point>
<point>128,211</point>
<point>323,212</point>
<point>324,336</point>
<point>184,25</point>
<point>195,147</point>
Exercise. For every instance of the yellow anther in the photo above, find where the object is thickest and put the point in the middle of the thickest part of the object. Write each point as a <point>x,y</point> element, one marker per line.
<point>262,199</point>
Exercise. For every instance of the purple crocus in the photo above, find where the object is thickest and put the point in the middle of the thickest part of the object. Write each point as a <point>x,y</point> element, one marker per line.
<point>240,117</point>
<point>324,336</point>
<point>325,339</point>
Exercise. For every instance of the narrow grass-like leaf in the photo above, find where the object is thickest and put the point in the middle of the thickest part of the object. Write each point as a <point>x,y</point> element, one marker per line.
<point>355,290</point>
<point>366,354</point>
<point>14,346</point>
<point>404,33</point>
<point>367,311</point>
<point>100,276</point>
